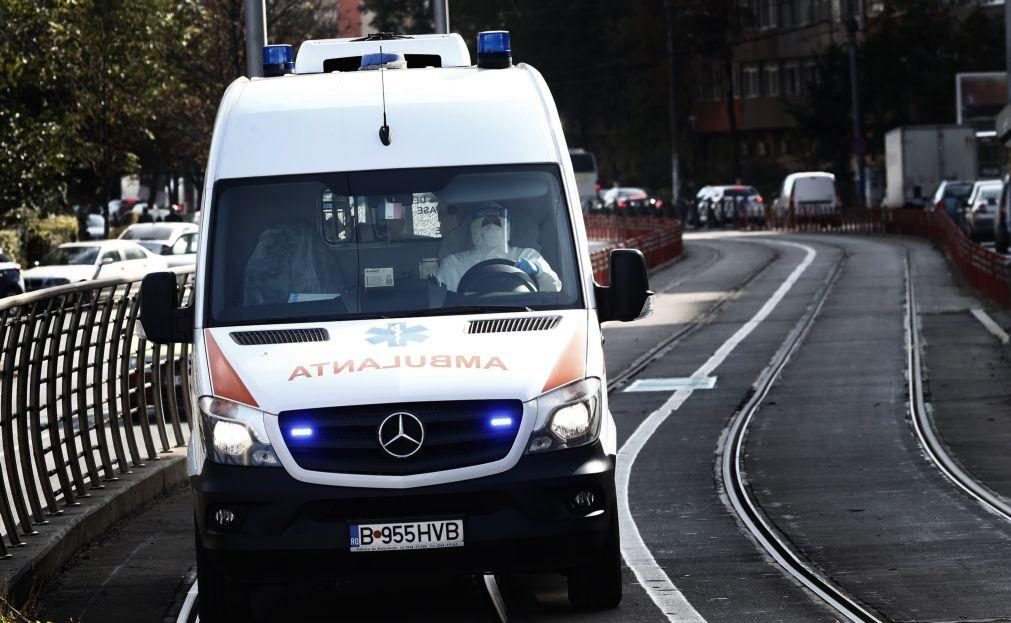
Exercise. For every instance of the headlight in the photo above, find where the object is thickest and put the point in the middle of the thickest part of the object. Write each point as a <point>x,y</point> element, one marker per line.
<point>567,417</point>
<point>234,433</point>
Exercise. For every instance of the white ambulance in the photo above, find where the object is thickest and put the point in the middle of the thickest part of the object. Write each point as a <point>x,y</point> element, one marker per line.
<point>397,360</point>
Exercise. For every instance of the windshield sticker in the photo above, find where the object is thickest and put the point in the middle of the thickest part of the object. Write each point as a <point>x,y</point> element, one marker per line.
<point>459,362</point>
<point>379,277</point>
<point>397,334</point>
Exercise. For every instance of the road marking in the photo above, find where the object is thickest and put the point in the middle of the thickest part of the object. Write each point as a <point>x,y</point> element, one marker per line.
<point>650,575</point>
<point>669,385</point>
<point>990,325</point>
<point>188,613</point>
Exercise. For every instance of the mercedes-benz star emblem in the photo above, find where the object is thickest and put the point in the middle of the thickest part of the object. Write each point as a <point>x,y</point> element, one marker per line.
<point>401,434</point>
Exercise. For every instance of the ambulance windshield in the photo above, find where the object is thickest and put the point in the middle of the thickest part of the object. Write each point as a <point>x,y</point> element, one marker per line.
<point>390,243</point>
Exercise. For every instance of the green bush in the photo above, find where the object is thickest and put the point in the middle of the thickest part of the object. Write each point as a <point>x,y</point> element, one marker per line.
<point>10,243</point>
<point>27,237</point>
<point>48,233</point>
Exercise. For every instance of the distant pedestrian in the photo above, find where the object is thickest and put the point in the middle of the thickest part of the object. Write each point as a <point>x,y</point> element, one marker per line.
<point>145,216</point>
<point>173,216</point>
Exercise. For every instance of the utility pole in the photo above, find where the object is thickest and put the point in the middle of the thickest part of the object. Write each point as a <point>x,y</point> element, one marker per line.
<point>675,157</point>
<point>1007,47</point>
<point>256,36</point>
<point>859,144</point>
<point>440,11</point>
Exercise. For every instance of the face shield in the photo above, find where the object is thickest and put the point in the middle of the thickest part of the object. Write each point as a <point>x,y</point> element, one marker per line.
<point>489,230</point>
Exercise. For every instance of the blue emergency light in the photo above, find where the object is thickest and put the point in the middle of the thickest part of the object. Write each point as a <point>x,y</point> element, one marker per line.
<point>301,432</point>
<point>494,49</point>
<point>501,422</point>
<point>277,60</point>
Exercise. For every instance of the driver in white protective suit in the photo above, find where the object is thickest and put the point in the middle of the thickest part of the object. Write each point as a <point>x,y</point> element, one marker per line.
<point>489,231</point>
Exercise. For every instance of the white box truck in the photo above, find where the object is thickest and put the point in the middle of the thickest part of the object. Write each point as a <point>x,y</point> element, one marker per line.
<point>918,158</point>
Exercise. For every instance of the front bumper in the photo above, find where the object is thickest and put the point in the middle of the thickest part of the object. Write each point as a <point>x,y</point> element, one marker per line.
<point>520,520</point>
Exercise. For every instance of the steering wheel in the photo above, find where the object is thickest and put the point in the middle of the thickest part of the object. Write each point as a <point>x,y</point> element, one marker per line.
<point>495,275</point>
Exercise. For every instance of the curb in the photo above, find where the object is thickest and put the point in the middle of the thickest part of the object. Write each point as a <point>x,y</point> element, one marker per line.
<point>44,554</point>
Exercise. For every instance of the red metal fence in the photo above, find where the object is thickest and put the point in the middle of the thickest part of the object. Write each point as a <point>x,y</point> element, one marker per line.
<point>984,269</point>
<point>659,239</point>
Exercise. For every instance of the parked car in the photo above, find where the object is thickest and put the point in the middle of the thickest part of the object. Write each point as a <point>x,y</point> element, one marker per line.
<point>95,226</point>
<point>1002,225</point>
<point>949,197</point>
<point>11,280</point>
<point>633,201</point>
<point>980,209</point>
<point>118,208</point>
<point>177,242</point>
<point>721,205</point>
<point>808,197</point>
<point>74,262</point>
<point>584,165</point>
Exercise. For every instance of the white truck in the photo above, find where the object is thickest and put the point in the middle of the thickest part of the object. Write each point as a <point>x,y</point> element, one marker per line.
<point>918,158</point>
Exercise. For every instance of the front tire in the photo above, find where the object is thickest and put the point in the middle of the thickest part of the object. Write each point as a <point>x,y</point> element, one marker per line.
<point>220,600</point>
<point>597,584</point>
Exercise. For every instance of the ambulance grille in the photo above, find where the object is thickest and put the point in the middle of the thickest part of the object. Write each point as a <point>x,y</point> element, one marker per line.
<point>458,433</point>
<point>280,336</point>
<point>512,325</point>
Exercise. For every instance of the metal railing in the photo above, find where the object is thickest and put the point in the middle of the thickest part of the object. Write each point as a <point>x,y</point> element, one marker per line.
<point>83,398</point>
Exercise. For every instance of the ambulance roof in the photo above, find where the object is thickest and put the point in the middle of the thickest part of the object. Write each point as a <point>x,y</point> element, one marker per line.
<point>330,122</point>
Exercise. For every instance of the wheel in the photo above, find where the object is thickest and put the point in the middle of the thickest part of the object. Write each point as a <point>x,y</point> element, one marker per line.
<point>597,584</point>
<point>220,600</point>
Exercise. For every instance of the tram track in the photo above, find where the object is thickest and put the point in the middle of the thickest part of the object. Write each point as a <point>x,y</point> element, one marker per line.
<point>920,420</point>
<point>734,478</point>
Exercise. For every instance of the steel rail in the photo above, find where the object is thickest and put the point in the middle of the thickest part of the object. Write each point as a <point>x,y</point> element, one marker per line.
<point>739,494</point>
<point>668,343</point>
<point>921,421</point>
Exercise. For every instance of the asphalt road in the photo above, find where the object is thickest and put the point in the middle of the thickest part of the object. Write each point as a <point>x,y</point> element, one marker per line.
<point>830,457</point>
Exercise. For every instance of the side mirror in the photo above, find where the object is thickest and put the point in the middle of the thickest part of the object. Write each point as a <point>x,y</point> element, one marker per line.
<point>163,321</point>
<point>108,259</point>
<point>628,297</point>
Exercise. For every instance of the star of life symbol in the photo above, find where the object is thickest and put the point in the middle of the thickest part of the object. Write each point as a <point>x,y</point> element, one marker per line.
<point>397,334</point>
<point>401,434</point>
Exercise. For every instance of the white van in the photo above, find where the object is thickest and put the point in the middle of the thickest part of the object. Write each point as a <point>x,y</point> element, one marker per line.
<point>808,197</point>
<point>397,358</point>
<point>584,165</point>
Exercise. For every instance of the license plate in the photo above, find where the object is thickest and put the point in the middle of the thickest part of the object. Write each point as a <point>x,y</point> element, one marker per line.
<point>377,537</point>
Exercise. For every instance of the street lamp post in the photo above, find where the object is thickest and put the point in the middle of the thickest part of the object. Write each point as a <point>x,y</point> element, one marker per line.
<point>859,144</point>
<point>675,188</point>
<point>440,11</point>
<point>256,36</point>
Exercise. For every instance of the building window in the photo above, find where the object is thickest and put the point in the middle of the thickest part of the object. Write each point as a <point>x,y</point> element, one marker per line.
<point>784,147</point>
<point>736,76</point>
<point>760,149</point>
<point>802,11</point>
<point>767,13</point>
<point>750,81</point>
<point>745,149</point>
<point>771,79</point>
<point>812,74</point>
<point>718,91</point>
<point>791,79</point>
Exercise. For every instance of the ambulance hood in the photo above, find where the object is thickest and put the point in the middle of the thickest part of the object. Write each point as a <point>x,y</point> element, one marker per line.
<point>400,360</point>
